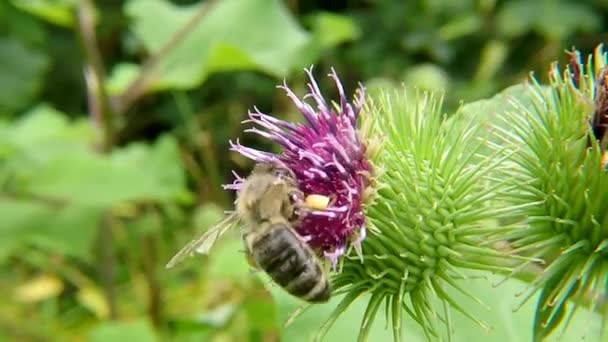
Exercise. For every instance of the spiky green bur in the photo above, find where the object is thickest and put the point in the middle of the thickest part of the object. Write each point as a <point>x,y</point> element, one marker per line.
<point>430,216</point>
<point>568,224</point>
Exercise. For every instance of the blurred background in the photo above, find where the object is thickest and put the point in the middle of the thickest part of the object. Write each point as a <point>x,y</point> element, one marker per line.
<point>115,118</point>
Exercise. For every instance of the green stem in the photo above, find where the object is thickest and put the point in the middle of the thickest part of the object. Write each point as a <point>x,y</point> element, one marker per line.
<point>150,261</point>
<point>103,113</point>
<point>99,101</point>
<point>138,87</point>
<point>205,152</point>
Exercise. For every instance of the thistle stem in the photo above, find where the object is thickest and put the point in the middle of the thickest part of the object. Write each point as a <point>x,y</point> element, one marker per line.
<point>138,87</point>
<point>103,114</point>
<point>99,102</point>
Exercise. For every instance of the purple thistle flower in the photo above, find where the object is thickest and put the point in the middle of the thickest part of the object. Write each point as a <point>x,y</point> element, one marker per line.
<point>328,157</point>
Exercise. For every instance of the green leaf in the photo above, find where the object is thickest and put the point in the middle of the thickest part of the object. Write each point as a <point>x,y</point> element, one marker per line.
<point>487,113</point>
<point>492,58</point>
<point>69,231</point>
<point>207,215</point>
<point>217,317</point>
<point>121,76</point>
<point>229,260</point>
<point>555,20</point>
<point>490,110</point>
<point>50,157</point>
<point>346,328</point>
<point>22,26</point>
<point>460,26</point>
<point>58,12</point>
<point>140,331</point>
<point>427,77</point>
<point>19,221</point>
<point>21,74</point>
<point>499,104</point>
<point>516,18</point>
<point>235,35</point>
<point>505,324</point>
<point>328,30</point>
<point>162,166</point>
<point>66,231</point>
<point>129,174</point>
<point>260,309</point>
<point>44,124</point>
<point>562,19</point>
<point>332,29</point>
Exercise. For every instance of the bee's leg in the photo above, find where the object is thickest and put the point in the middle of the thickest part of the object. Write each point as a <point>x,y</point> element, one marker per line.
<point>296,198</point>
<point>296,313</point>
<point>251,261</point>
<point>291,208</point>
<point>245,237</point>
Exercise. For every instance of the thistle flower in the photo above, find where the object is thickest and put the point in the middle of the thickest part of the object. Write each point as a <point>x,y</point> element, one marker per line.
<point>433,215</point>
<point>328,157</point>
<point>559,168</point>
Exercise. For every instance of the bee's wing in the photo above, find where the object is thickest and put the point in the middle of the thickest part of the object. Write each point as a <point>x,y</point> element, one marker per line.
<point>204,243</point>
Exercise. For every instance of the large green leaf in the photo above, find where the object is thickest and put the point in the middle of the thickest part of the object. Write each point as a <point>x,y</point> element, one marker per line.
<point>553,19</point>
<point>235,35</point>
<point>491,110</point>
<point>58,12</point>
<point>52,158</point>
<point>66,231</point>
<point>499,104</point>
<point>484,114</point>
<point>328,30</point>
<point>505,323</point>
<point>22,71</point>
<point>229,260</point>
<point>57,186</point>
<point>136,172</point>
<point>331,29</point>
<point>43,125</point>
<point>140,331</point>
<point>20,219</point>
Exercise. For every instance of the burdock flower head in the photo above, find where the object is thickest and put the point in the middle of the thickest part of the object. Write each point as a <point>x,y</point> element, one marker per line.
<point>328,156</point>
<point>432,209</point>
<point>557,158</point>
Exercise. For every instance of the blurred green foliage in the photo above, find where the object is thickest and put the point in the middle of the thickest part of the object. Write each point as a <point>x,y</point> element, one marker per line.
<point>87,222</point>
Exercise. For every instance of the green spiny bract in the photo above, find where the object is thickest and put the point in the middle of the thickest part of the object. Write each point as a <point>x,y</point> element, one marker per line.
<point>432,215</point>
<point>562,174</point>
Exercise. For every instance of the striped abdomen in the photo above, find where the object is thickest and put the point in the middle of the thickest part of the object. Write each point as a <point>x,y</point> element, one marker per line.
<point>290,263</point>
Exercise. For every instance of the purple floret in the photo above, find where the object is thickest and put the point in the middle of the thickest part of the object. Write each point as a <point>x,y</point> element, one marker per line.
<point>328,158</point>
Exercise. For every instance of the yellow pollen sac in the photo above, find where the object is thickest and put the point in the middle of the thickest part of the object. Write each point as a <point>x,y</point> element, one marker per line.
<point>319,202</point>
<point>604,162</point>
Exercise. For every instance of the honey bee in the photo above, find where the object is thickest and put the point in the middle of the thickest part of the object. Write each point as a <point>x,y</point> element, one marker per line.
<point>266,208</point>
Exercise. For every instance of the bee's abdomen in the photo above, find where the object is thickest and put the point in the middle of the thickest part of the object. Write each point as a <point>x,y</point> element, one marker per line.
<point>291,264</point>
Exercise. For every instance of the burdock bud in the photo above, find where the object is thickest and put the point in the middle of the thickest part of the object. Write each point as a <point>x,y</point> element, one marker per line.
<point>434,214</point>
<point>557,159</point>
